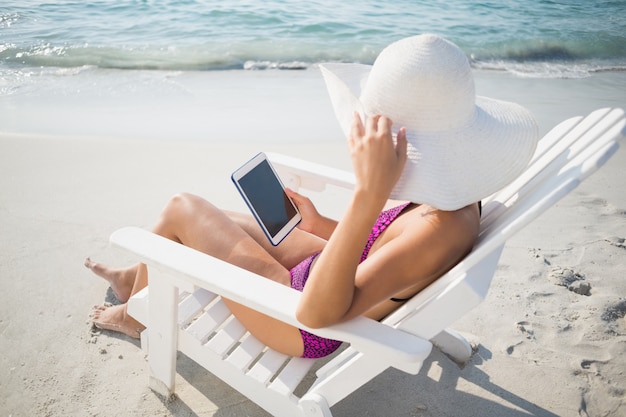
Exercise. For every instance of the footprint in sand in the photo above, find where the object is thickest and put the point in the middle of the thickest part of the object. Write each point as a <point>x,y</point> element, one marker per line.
<point>619,242</point>
<point>615,311</point>
<point>570,279</point>
<point>526,328</point>
<point>511,349</point>
<point>593,366</point>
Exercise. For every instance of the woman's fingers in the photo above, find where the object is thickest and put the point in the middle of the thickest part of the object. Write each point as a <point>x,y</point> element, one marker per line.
<point>401,146</point>
<point>376,160</point>
<point>358,130</point>
<point>372,123</point>
<point>383,125</point>
<point>307,210</point>
<point>300,200</point>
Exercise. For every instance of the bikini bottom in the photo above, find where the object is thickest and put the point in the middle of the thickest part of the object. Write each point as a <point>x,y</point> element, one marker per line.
<point>314,346</point>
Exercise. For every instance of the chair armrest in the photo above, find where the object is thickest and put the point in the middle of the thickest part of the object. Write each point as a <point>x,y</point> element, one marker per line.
<point>180,262</point>
<point>297,173</point>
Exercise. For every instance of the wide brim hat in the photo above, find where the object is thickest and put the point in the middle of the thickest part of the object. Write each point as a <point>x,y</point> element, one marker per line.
<point>461,147</point>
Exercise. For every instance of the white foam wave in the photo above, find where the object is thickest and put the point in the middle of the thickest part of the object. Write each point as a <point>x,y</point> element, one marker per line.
<point>549,69</point>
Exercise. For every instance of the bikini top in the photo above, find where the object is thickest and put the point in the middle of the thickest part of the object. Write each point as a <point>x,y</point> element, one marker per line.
<point>384,220</point>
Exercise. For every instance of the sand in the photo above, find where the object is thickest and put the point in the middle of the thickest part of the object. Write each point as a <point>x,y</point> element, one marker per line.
<point>89,154</point>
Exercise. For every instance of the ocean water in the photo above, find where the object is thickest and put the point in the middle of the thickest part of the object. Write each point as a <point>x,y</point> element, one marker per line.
<point>533,38</point>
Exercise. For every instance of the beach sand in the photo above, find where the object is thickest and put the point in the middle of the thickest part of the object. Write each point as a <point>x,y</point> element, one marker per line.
<point>88,154</point>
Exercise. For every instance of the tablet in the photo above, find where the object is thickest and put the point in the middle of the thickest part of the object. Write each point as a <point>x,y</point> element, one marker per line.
<point>265,195</point>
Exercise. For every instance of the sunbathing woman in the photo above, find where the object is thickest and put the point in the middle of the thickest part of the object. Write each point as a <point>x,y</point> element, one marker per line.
<point>452,149</point>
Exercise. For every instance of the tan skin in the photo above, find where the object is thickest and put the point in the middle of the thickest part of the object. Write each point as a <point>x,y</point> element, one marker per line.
<point>418,247</point>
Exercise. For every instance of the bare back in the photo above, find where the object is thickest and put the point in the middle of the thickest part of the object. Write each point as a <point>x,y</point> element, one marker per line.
<point>418,247</point>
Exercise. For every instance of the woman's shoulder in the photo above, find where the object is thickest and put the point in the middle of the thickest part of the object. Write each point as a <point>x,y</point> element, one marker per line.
<point>448,229</point>
<point>421,230</point>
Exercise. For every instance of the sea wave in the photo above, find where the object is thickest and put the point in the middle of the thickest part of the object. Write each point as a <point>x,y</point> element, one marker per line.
<point>552,61</point>
<point>263,54</point>
<point>552,69</point>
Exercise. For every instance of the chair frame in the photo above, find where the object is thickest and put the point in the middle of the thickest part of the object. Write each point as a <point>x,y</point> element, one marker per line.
<point>183,311</point>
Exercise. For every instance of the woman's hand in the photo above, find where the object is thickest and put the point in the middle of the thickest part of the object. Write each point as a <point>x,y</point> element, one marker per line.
<point>310,215</point>
<point>312,221</point>
<point>377,162</point>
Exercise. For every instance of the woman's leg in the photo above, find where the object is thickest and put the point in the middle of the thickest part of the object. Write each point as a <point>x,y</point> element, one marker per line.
<point>194,222</point>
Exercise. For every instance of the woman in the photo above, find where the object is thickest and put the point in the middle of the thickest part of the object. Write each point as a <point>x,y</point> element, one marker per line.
<point>452,150</point>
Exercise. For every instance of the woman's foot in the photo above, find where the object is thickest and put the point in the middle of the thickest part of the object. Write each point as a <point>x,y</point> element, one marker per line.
<point>120,280</point>
<point>116,319</point>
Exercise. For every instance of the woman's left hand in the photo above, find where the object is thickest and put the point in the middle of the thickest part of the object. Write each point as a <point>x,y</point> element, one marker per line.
<point>377,161</point>
<point>310,215</point>
<point>312,221</point>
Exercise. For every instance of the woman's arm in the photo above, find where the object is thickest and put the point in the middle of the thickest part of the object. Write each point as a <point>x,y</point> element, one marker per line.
<point>378,164</point>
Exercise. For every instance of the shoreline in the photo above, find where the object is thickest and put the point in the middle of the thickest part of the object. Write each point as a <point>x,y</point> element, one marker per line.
<point>77,166</point>
<point>206,106</point>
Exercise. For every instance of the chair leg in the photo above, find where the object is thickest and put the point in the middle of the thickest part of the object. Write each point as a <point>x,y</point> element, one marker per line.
<point>314,405</point>
<point>163,334</point>
<point>454,345</point>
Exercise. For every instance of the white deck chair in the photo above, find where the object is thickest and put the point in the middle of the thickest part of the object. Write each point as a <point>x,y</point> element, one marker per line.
<point>184,311</point>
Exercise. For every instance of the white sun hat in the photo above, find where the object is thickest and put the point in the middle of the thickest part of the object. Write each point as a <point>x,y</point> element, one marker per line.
<point>461,147</point>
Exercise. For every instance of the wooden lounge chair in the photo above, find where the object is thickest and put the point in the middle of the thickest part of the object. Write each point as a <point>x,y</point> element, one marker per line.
<point>183,310</point>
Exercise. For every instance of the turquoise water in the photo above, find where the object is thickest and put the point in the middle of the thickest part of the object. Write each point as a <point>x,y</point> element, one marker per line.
<point>533,38</point>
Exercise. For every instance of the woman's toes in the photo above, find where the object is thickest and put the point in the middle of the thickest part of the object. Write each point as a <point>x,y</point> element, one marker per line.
<point>88,263</point>
<point>115,318</point>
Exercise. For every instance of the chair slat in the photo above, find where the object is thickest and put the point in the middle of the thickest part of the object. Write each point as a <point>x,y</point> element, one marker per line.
<point>207,323</point>
<point>267,366</point>
<point>227,337</point>
<point>291,375</point>
<point>246,353</point>
<point>588,132</point>
<point>193,304</point>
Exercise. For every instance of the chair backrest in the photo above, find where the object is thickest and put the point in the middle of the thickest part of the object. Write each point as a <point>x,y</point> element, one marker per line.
<point>567,155</point>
